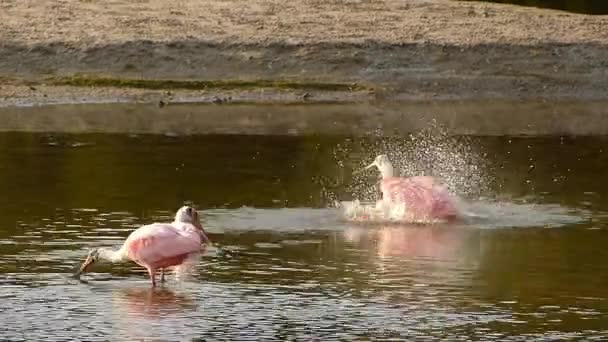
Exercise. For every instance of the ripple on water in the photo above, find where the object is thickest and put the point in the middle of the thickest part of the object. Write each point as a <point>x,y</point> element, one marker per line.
<point>280,279</point>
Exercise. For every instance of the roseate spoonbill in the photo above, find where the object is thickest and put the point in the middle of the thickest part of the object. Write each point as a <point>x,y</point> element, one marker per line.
<point>157,245</point>
<point>423,197</point>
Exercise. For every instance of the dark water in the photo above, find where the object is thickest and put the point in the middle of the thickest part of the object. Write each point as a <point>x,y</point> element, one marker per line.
<point>285,265</point>
<point>576,6</point>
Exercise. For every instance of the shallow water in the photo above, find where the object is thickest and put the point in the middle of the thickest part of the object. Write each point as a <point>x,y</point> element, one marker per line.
<point>529,264</point>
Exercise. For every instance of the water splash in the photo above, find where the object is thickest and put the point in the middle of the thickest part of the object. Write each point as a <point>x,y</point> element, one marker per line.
<point>388,212</point>
<point>368,212</point>
<point>517,214</point>
<point>458,162</point>
<point>480,214</point>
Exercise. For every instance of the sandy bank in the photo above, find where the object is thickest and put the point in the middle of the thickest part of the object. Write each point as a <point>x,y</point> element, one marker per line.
<point>399,50</point>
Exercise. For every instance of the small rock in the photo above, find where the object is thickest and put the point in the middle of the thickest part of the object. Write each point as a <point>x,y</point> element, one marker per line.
<point>32,88</point>
<point>161,104</point>
<point>217,100</point>
<point>306,96</point>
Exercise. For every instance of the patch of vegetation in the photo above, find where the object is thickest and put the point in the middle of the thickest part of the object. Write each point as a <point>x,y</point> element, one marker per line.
<point>93,81</point>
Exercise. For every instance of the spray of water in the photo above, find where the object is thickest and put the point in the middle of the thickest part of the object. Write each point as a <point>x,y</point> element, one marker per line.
<point>458,162</point>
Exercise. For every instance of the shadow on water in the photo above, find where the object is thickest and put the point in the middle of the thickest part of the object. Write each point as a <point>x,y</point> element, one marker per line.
<point>286,263</point>
<point>576,6</point>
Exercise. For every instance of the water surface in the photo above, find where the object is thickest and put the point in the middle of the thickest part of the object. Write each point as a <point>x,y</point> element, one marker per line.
<point>285,264</point>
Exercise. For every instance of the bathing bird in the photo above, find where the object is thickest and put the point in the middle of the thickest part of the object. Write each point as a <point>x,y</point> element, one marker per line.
<point>424,198</point>
<point>157,246</point>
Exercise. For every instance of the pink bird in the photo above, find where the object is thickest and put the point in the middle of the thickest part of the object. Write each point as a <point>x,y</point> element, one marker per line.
<point>157,245</point>
<point>423,197</point>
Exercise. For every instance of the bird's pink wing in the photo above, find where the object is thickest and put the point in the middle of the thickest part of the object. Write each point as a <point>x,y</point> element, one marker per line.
<point>160,241</point>
<point>414,190</point>
<point>422,195</point>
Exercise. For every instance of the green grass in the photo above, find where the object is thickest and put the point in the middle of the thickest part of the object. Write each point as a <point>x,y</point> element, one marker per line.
<point>94,81</point>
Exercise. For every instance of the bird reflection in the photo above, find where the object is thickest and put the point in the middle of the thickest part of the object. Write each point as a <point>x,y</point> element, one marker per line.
<point>153,302</point>
<point>411,241</point>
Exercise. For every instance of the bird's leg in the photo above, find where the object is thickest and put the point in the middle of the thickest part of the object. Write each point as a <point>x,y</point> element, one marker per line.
<point>162,275</point>
<point>152,273</point>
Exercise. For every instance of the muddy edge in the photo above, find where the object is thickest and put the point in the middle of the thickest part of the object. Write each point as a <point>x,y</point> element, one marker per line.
<point>370,50</point>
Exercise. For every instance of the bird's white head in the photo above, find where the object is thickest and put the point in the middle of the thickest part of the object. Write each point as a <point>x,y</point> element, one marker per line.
<point>383,164</point>
<point>187,214</point>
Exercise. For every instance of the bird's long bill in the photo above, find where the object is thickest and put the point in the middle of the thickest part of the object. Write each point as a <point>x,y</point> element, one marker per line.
<point>204,236</point>
<point>365,168</point>
<point>85,265</point>
<point>369,166</point>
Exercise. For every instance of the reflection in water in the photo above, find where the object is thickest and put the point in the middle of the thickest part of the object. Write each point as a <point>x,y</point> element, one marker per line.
<point>139,310</point>
<point>411,240</point>
<point>150,302</point>
<point>440,260</point>
<point>285,264</point>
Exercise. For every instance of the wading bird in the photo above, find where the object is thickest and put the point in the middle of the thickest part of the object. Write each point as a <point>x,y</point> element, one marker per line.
<point>423,197</point>
<point>157,246</point>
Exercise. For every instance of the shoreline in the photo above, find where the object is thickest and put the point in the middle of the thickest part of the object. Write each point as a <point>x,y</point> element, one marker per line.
<point>411,72</point>
<point>421,50</point>
<point>451,117</point>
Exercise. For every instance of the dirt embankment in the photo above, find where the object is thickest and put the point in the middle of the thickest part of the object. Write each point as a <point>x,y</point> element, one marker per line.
<point>308,50</point>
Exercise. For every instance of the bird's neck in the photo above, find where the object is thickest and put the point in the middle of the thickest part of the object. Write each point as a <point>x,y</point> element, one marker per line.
<point>386,171</point>
<point>111,255</point>
<point>181,224</point>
